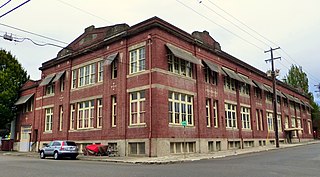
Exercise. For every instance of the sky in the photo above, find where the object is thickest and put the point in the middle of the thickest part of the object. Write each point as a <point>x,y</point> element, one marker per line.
<point>244,29</point>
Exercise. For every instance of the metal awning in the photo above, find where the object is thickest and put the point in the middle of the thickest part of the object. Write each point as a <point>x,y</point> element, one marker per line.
<point>212,66</point>
<point>260,85</point>
<point>246,79</point>
<point>58,76</point>
<point>292,129</point>
<point>110,58</point>
<point>232,74</point>
<point>47,80</point>
<point>297,100</point>
<point>289,97</point>
<point>269,89</point>
<point>23,99</point>
<point>280,93</point>
<point>183,54</point>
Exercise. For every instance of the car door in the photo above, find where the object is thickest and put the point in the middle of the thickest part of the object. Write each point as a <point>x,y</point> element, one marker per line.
<point>48,150</point>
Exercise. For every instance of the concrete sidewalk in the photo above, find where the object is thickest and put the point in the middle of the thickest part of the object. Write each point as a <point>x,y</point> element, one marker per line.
<point>173,158</point>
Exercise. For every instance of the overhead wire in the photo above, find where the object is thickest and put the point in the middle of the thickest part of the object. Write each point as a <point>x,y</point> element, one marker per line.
<point>14,8</point>
<point>5,3</point>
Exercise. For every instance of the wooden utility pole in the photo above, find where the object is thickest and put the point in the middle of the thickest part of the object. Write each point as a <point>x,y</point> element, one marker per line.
<point>273,75</point>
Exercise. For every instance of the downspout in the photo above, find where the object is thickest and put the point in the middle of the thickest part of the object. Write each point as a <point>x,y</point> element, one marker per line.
<point>150,91</point>
<point>126,100</point>
<point>69,92</point>
<point>198,97</point>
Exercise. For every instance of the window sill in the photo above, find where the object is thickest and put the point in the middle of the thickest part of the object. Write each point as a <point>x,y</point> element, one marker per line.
<point>179,125</point>
<point>85,130</point>
<point>47,132</point>
<point>49,95</point>
<point>232,129</point>
<point>137,126</point>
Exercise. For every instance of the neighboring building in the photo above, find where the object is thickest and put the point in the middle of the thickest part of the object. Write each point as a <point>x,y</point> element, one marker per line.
<point>134,87</point>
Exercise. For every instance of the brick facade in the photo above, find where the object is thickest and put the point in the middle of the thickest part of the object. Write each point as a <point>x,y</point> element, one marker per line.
<point>145,80</point>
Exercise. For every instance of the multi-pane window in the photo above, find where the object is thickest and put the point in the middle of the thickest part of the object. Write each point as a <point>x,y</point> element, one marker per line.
<point>74,79</point>
<point>210,76</point>
<point>293,125</point>
<point>269,96</point>
<point>259,119</point>
<point>114,111</point>
<point>180,108</point>
<point>229,83</point>
<point>137,148</point>
<point>286,123</point>
<point>137,60</point>
<point>62,83</point>
<point>257,92</point>
<point>137,108</point>
<point>28,106</point>
<point>100,71</point>
<point>87,75</point>
<point>299,125</point>
<point>114,69</point>
<point>72,116</point>
<point>60,118</point>
<point>48,119</point>
<point>215,113</point>
<point>270,121</point>
<point>244,89</point>
<point>50,89</point>
<point>231,115</point>
<point>99,113</point>
<point>279,122</point>
<point>245,118</point>
<point>208,118</point>
<point>85,114</point>
<point>179,66</point>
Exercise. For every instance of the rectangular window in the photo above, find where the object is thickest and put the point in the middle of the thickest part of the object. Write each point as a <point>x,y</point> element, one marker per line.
<point>215,114</point>
<point>259,119</point>
<point>99,113</point>
<point>245,118</point>
<point>179,66</point>
<point>85,114</point>
<point>137,60</point>
<point>137,108</point>
<point>74,79</point>
<point>293,125</point>
<point>72,116</point>
<point>62,80</point>
<point>210,76</point>
<point>181,147</point>
<point>60,118</point>
<point>114,111</point>
<point>50,89</point>
<point>244,89</point>
<point>309,127</point>
<point>231,115</point>
<point>229,83</point>
<point>28,106</point>
<point>87,75</point>
<point>257,93</point>
<point>48,119</point>
<point>269,97</point>
<point>137,148</point>
<point>180,108</point>
<point>114,69</point>
<point>100,71</point>
<point>279,123</point>
<point>270,121</point>
<point>286,124</point>
<point>208,118</point>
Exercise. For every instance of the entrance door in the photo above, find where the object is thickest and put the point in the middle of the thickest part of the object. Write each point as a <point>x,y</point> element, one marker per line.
<point>25,138</point>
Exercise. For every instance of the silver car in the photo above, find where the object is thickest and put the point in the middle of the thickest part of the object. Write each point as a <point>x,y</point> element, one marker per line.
<point>58,149</point>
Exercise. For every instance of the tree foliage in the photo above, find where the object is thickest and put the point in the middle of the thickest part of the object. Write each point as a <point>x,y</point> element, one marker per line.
<point>297,78</point>
<point>12,77</point>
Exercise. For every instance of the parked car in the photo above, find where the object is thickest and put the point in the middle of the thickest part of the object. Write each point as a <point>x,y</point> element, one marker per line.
<point>58,149</point>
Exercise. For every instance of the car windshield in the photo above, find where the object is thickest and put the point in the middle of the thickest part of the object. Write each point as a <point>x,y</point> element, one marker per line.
<point>71,143</point>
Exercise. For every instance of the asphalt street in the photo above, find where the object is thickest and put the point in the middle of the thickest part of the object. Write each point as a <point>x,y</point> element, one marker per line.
<point>301,161</point>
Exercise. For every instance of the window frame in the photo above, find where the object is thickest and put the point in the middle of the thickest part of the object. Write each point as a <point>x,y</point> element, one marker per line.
<point>99,113</point>
<point>113,111</point>
<point>245,118</point>
<point>181,108</point>
<point>48,119</point>
<point>100,70</point>
<point>179,66</point>
<point>231,115</point>
<point>139,101</point>
<point>86,75</point>
<point>82,108</point>
<point>137,59</point>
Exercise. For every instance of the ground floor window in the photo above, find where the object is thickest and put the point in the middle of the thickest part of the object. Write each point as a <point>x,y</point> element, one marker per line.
<point>270,121</point>
<point>234,145</point>
<point>214,146</point>
<point>137,148</point>
<point>48,119</point>
<point>230,115</point>
<point>181,147</point>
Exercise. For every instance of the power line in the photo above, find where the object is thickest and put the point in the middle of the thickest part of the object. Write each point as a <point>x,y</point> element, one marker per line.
<point>5,3</point>
<point>13,8</point>
<point>35,34</point>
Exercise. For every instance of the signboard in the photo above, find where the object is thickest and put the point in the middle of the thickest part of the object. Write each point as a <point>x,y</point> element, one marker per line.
<point>184,123</point>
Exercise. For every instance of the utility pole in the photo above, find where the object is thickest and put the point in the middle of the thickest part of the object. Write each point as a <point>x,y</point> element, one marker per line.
<point>273,75</point>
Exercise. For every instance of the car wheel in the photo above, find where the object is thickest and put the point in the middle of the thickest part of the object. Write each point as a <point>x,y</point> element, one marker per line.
<point>42,156</point>
<point>56,156</point>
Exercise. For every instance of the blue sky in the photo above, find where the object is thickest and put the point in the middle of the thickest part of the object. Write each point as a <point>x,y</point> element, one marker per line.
<point>291,25</point>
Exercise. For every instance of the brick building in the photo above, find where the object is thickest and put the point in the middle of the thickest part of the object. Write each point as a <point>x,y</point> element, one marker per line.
<point>134,86</point>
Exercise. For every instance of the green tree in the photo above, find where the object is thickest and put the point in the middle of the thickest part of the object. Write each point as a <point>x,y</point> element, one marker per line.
<point>12,77</point>
<point>297,78</point>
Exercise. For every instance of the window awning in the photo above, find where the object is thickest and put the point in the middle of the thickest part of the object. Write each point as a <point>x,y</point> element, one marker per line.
<point>47,80</point>
<point>232,74</point>
<point>297,100</point>
<point>260,85</point>
<point>212,66</point>
<point>23,99</point>
<point>183,54</point>
<point>289,97</point>
<point>279,93</point>
<point>246,79</point>
<point>269,89</point>
<point>110,58</point>
<point>58,76</point>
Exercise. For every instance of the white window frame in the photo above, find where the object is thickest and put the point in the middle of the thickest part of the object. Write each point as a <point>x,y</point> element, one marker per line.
<point>279,118</point>
<point>179,66</point>
<point>270,121</point>
<point>245,118</point>
<point>208,113</point>
<point>244,89</point>
<point>86,75</point>
<point>74,79</point>
<point>259,119</point>
<point>85,107</point>
<point>99,113</point>
<point>50,89</point>
<point>114,111</point>
<point>139,100</point>
<point>309,127</point>
<point>181,108</point>
<point>229,83</point>
<point>60,117</point>
<point>48,119</point>
<point>231,115</point>
<point>100,71</point>
<point>137,59</point>
<point>72,116</point>
<point>215,114</point>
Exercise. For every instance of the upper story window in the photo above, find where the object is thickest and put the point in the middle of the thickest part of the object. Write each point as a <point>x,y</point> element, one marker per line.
<point>269,96</point>
<point>86,75</point>
<point>100,71</point>
<point>244,89</point>
<point>50,89</point>
<point>229,83</point>
<point>270,121</point>
<point>180,108</point>
<point>74,79</point>
<point>85,114</point>
<point>137,107</point>
<point>230,115</point>
<point>137,60</point>
<point>28,106</point>
<point>114,69</point>
<point>48,119</point>
<point>245,118</point>
<point>210,76</point>
<point>179,66</point>
<point>258,92</point>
